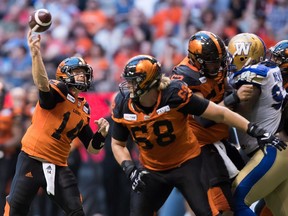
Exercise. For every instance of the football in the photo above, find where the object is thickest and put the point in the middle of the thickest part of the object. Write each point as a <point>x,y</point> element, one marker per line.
<point>40,20</point>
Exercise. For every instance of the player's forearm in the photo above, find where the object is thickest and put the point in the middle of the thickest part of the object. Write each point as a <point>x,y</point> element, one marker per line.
<point>120,152</point>
<point>224,115</point>
<point>39,74</point>
<point>235,120</point>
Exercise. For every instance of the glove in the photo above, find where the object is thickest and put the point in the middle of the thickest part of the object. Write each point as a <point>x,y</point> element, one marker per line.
<point>136,176</point>
<point>264,138</point>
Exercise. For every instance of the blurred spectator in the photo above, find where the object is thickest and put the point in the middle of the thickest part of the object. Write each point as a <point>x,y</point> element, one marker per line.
<point>263,32</point>
<point>20,67</point>
<point>18,13</point>
<point>11,131</point>
<point>230,28</point>
<point>277,19</point>
<point>101,68</point>
<point>238,7</point>
<point>59,30</point>
<point>7,162</point>
<point>147,6</point>
<point>168,15</point>
<point>123,8</point>
<point>247,22</point>
<point>109,37</point>
<point>209,21</point>
<point>171,57</point>
<point>145,47</point>
<point>127,50</point>
<point>53,47</point>
<point>196,7</point>
<point>220,6</point>
<point>159,44</point>
<point>93,17</point>
<point>32,96</point>
<point>81,38</point>
<point>138,27</point>
<point>19,96</point>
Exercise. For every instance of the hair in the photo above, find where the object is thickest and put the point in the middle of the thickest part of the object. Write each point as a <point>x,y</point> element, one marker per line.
<point>164,82</point>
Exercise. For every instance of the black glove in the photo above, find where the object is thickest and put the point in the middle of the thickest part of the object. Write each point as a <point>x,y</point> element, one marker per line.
<point>136,176</point>
<point>264,138</point>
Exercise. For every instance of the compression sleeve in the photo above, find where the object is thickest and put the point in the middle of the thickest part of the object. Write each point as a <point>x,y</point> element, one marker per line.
<point>85,135</point>
<point>119,132</point>
<point>48,100</point>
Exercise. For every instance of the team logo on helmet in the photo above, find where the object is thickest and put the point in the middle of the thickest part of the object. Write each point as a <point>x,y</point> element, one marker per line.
<point>245,49</point>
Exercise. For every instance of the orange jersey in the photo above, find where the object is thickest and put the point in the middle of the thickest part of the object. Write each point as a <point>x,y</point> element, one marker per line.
<point>164,137</point>
<point>52,130</point>
<point>211,89</point>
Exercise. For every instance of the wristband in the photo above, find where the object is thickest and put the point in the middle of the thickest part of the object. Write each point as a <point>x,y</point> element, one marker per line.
<point>255,131</point>
<point>231,99</point>
<point>127,166</point>
<point>98,141</point>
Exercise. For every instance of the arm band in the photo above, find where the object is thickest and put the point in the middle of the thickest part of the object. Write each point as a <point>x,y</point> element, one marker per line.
<point>98,141</point>
<point>232,99</point>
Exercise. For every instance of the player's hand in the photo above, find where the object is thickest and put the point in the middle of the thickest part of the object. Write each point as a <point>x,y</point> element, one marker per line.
<point>245,92</point>
<point>136,176</point>
<point>103,126</point>
<point>33,43</point>
<point>264,138</point>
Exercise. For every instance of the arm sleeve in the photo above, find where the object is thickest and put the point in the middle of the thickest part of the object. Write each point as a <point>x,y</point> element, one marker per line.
<point>196,106</point>
<point>119,132</point>
<point>48,100</point>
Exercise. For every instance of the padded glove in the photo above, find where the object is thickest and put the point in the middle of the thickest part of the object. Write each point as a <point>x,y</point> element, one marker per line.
<point>264,138</point>
<point>136,176</point>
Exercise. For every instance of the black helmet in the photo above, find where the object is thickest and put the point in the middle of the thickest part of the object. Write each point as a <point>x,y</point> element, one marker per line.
<point>207,52</point>
<point>141,73</point>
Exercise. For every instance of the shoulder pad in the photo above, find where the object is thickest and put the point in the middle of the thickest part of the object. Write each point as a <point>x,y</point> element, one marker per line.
<point>186,74</point>
<point>268,63</point>
<point>58,85</point>
<point>118,104</point>
<point>176,94</point>
<point>254,74</point>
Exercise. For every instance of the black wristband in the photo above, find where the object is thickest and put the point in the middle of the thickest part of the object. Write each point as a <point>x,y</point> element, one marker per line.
<point>251,129</point>
<point>98,141</point>
<point>127,166</point>
<point>232,99</point>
